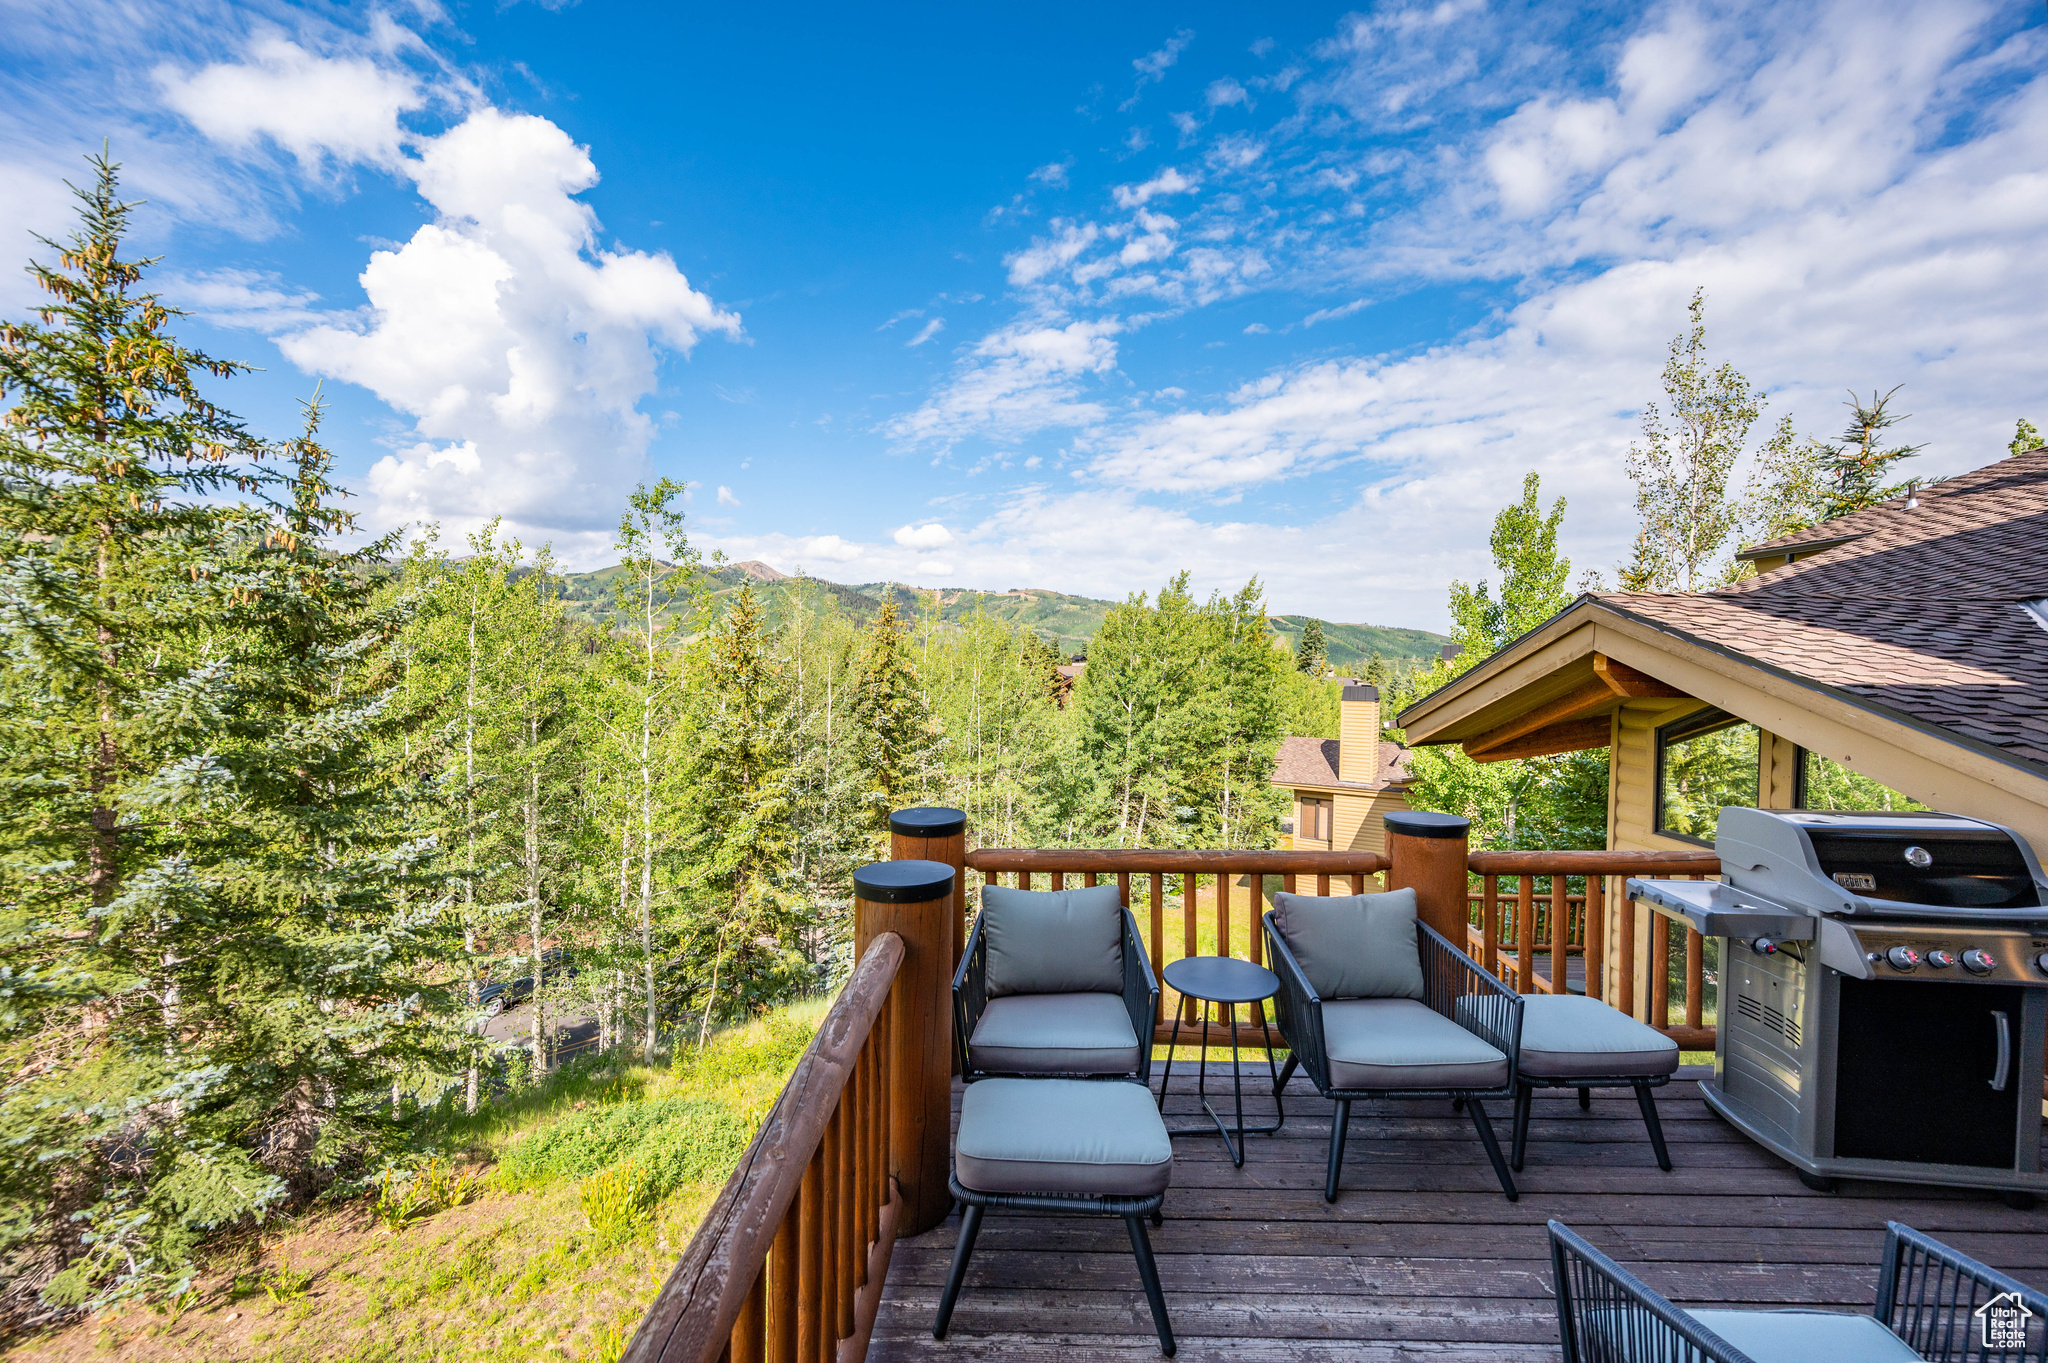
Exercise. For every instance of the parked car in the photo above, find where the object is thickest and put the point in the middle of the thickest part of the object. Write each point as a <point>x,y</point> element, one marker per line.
<point>497,995</point>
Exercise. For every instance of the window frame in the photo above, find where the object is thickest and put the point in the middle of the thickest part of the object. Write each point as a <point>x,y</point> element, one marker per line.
<point>1316,811</point>
<point>1706,720</point>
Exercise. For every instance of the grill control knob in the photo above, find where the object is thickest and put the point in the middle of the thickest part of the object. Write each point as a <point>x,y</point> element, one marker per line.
<point>1903,958</point>
<point>2041,963</point>
<point>1979,962</point>
<point>1764,946</point>
<point>1919,858</point>
<point>1941,960</point>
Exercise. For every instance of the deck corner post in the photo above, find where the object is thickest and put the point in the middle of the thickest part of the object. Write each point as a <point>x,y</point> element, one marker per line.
<point>936,833</point>
<point>1426,853</point>
<point>914,900</point>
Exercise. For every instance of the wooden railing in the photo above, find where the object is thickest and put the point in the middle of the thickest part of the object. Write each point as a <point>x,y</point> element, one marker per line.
<point>1217,896</point>
<point>1510,931</point>
<point>788,1265</point>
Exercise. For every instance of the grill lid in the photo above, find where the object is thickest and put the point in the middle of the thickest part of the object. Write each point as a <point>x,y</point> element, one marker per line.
<point>1879,864</point>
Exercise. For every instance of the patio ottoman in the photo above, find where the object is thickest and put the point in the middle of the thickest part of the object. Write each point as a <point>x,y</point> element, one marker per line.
<point>1570,1041</point>
<point>1072,1145</point>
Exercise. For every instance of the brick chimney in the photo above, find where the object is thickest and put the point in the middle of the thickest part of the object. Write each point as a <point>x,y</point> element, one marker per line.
<point>1358,734</point>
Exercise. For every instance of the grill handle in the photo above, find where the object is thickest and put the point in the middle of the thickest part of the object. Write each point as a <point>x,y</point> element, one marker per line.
<point>2004,1029</point>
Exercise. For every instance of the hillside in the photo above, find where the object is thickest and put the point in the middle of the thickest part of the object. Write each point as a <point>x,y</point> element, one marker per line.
<point>1067,622</point>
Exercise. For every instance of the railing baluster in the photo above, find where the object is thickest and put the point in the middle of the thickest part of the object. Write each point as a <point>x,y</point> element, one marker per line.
<point>748,1335</point>
<point>1660,970</point>
<point>1525,934</point>
<point>1323,884</point>
<point>1625,953</point>
<point>810,1228</point>
<point>1695,979</point>
<point>1489,926</point>
<point>1256,910</point>
<point>1188,911</point>
<point>1223,913</point>
<point>1158,925</point>
<point>1089,880</point>
<point>1595,941</point>
<point>783,1289</point>
<point>1560,926</point>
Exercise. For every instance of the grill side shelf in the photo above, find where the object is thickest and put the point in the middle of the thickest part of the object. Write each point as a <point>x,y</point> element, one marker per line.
<point>1716,910</point>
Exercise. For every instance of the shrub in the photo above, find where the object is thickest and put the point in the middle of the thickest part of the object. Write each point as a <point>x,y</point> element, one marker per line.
<point>772,1045</point>
<point>616,1201</point>
<point>671,1141</point>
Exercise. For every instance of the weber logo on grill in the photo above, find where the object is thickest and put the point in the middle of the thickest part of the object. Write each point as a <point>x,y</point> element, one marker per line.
<point>1855,880</point>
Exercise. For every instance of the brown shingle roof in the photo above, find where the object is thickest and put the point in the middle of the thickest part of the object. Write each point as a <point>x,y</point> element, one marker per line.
<point>1920,612</point>
<point>1313,762</point>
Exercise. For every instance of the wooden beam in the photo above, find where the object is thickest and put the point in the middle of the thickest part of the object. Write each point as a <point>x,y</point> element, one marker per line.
<point>1628,683</point>
<point>1573,735</point>
<point>1594,695</point>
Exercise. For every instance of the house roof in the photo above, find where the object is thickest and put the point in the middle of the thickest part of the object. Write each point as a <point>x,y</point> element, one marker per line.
<point>1917,611</point>
<point>1313,762</point>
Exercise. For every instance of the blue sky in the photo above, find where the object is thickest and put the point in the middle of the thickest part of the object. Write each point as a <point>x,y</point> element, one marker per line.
<point>1073,297</point>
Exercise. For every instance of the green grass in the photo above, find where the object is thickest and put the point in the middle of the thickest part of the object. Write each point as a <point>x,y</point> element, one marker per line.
<point>516,1271</point>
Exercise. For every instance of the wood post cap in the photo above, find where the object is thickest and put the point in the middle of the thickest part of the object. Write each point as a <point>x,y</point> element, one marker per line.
<point>1420,823</point>
<point>928,821</point>
<point>903,882</point>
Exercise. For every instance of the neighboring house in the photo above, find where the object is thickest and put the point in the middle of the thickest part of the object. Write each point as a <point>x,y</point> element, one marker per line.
<point>1343,786</point>
<point>1897,655</point>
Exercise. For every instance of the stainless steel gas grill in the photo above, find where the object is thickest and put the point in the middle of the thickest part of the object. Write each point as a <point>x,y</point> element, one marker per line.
<point>1884,993</point>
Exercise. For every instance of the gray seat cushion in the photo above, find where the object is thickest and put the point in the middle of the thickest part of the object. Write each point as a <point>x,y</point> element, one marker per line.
<point>1807,1336</point>
<point>1402,1044</point>
<point>1055,1034</point>
<point>1359,946</point>
<point>1075,1137</point>
<point>1053,941</point>
<point>1567,1037</point>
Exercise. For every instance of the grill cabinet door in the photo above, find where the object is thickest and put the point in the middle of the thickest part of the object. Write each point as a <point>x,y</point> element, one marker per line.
<point>1913,1072</point>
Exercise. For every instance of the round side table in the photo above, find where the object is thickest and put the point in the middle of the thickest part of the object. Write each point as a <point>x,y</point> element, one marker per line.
<point>1225,980</point>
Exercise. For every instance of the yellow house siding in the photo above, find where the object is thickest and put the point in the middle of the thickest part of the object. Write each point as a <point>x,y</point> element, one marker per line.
<point>1358,742</point>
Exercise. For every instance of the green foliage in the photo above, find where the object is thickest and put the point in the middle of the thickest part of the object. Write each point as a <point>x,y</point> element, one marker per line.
<point>617,1201</point>
<point>2024,437</point>
<point>773,1046</point>
<point>1704,773</point>
<point>895,744</point>
<point>673,1140</point>
<point>287,1284</point>
<point>1690,446</point>
<point>1310,655</point>
<point>1801,485</point>
<point>1521,803</point>
<point>1830,785</point>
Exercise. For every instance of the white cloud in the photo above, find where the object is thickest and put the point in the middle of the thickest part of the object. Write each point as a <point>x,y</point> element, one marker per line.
<point>929,536</point>
<point>927,331</point>
<point>1015,382</point>
<point>1168,181</point>
<point>1043,256</point>
<point>830,548</point>
<point>1153,66</point>
<point>1053,173</point>
<point>1223,93</point>
<point>322,110</point>
<point>725,496</point>
<point>937,566</point>
<point>256,300</point>
<point>1332,314</point>
<point>503,327</point>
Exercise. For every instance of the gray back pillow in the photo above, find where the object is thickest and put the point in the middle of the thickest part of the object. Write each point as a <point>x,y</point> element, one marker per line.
<point>1359,946</point>
<point>1053,941</point>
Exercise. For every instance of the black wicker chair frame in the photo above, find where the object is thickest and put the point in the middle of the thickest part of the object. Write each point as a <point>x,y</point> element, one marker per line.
<point>1454,986</point>
<point>1927,1294</point>
<point>1526,1094</point>
<point>1133,1210</point>
<point>970,1000</point>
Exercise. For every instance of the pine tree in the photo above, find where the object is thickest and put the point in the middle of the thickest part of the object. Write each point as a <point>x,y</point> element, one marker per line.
<point>894,742</point>
<point>111,587</point>
<point>2024,438</point>
<point>1310,655</point>
<point>741,841</point>
<point>1857,463</point>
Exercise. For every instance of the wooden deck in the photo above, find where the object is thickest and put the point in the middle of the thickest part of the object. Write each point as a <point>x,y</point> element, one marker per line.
<point>1421,1258</point>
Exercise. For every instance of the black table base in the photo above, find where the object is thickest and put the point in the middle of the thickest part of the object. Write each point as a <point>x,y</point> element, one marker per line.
<point>1257,1000</point>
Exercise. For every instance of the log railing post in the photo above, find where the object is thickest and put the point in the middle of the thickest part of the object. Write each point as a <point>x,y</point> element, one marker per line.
<point>1427,854</point>
<point>936,833</point>
<point>914,900</point>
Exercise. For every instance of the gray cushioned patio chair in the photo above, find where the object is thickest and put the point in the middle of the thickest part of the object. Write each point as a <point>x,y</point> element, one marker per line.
<point>1580,1043</point>
<point>1062,1145</point>
<point>1928,1297</point>
<point>1374,1004</point>
<point>1054,982</point>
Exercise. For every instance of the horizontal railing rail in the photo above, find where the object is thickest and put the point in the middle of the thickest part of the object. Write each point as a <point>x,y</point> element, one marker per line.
<point>789,1262</point>
<point>1528,935</point>
<point>1241,884</point>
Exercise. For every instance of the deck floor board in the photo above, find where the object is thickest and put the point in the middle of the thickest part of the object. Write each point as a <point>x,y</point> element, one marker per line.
<point>1420,1258</point>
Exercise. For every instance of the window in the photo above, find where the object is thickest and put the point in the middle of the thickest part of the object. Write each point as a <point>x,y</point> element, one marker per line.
<point>1827,784</point>
<point>1313,822</point>
<point>1705,762</point>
